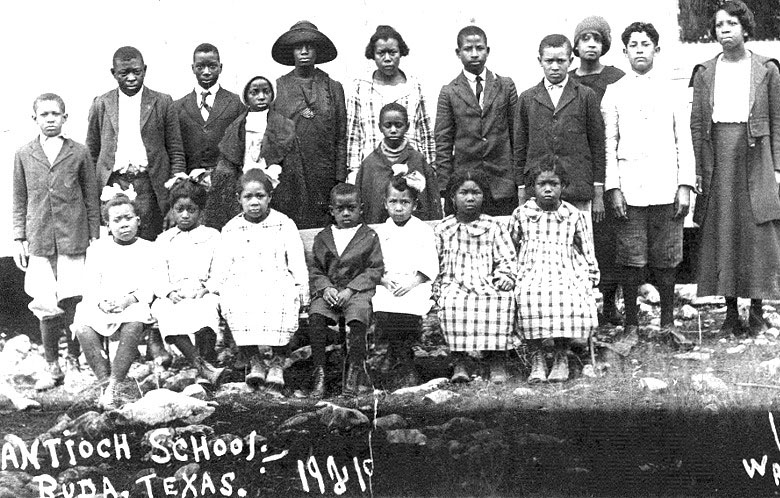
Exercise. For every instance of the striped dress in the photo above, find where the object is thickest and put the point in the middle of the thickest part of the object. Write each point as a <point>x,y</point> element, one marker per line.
<point>475,315</point>
<point>556,272</point>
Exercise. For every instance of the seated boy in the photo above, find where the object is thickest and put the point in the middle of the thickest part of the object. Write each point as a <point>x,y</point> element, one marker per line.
<point>474,124</point>
<point>56,214</point>
<point>347,266</point>
<point>650,174</point>
<point>560,117</point>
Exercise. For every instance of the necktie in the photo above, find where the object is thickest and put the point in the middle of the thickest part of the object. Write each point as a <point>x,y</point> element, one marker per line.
<point>479,89</point>
<point>205,109</point>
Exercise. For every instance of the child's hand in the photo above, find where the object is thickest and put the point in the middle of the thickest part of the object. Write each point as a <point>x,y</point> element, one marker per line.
<point>124,302</point>
<point>598,204</point>
<point>344,296</point>
<point>330,295</point>
<point>391,285</point>
<point>504,283</point>
<point>107,306</point>
<point>22,254</point>
<point>175,296</point>
<point>404,289</point>
<point>202,292</point>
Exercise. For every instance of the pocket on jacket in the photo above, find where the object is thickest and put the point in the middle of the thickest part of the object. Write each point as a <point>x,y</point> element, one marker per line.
<point>759,127</point>
<point>575,124</point>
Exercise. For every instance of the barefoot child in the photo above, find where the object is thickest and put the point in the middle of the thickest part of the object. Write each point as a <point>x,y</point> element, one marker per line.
<point>347,266</point>
<point>118,280</point>
<point>184,307</point>
<point>476,278</point>
<point>56,214</point>
<point>556,273</point>
<point>411,264</point>
<point>261,278</point>
<point>395,156</point>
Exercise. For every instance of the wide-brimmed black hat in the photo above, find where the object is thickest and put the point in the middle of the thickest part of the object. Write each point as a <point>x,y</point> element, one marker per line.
<point>303,32</point>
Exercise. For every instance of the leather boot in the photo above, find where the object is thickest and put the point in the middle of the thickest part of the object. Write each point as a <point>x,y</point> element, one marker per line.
<point>318,382</point>
<point>51,377</point>
<point>410,377</point>
<point>206,342</point>
<point>209,372</point>
<point>257,372</point>
<point>352,382</point>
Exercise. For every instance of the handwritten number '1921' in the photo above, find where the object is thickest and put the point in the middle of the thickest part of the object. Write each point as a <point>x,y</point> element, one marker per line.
<point>340,478</point>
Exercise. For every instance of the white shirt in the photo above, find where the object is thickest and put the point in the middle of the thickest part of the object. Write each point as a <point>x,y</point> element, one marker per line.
<point>209,98</point>
<point>342,236</point>
<point>555,89</point>
<point>256,123</point>
<point>472,79</point>
<point>130,148</point>
<point>52,146</point>
<point>648,139</point>
<point>731,103</point>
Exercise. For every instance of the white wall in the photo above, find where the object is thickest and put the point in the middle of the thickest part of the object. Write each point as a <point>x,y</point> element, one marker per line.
<point>66,47</point>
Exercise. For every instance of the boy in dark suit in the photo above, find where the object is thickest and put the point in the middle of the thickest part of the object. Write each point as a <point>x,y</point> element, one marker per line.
<point>56,214</point>
<point>560,117</point>
<point>474,124</point>
<point>207,111</point>
<point>127,154</point>
<point>346,268</point>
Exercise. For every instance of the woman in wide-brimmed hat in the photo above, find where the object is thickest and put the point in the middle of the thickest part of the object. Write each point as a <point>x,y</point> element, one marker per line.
<point>315,102</point>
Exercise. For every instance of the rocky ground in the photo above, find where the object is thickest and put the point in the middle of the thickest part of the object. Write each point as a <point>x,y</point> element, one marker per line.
<point>653,422</point>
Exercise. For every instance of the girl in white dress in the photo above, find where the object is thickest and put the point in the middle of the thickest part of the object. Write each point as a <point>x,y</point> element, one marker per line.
<point>119,272</point>
<point>261,276</point>
<point>184,306</point>
<point>411,264</point>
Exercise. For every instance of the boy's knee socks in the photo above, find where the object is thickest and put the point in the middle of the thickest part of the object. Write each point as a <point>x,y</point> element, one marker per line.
<point>356,341</point>
<point>632,278</point>
<point>97,358</point>
<point>50,338</point>
<point>318,336</point>
<point>69,306</point>
<point>665,278</point>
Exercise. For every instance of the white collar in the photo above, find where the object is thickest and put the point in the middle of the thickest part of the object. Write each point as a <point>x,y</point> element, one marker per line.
<point>43,138</point>
<point>125,97</point>
<point>562,84</point>
<point>199,89</point>
<point>473,77</point>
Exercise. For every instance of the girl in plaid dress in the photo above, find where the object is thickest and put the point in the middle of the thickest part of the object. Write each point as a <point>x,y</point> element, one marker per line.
<point>556,272</point>
<point>260,275</point>
<point>476,278</point>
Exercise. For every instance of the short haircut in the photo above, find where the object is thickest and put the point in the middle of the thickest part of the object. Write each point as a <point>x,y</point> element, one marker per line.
<point>127,53</point>
<point>555,41</point>
<point>117,200</point>
<point>470,174</point>
<point>254,175</point>
<point>384,32</point>
<point>640,27</point>
<point>187,189</point>
<point>53,97</point>
<point>342,189</point>
<point>471,31</point>
<point>398,182</point>
<point>739,10</point>
<point>394,106</point>
<point>205,48</point>
<point>255,78</point>
<point>547,164</point>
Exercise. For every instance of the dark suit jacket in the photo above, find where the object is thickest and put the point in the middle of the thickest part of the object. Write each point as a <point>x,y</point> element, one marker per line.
<point>468,136</point>
<point>573,132</point>
<point>763,129</point>
<point>56,207</point>
<point>360,267</point>
<point>159,131</point>
<point>201,138</point>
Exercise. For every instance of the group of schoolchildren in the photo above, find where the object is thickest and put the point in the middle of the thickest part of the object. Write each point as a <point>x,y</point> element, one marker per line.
<point>548,157</point>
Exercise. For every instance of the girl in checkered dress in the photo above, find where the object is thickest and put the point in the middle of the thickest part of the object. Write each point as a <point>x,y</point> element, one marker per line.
<point>261,277</point>
<point>556,272</point>
<point>476,278</point>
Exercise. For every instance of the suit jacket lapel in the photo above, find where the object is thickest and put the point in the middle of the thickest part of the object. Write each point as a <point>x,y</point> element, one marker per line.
<point>566,96</point>
<point>38,154</point>
<point>112,108</point>
<point>219,105</point>
<point>147,103</point>
<point>191,106</point>
<point>359,235</point>
<point>65,152</point>
<point>327,237</point>
<point>543,97</point>
<point>491,90</point>
<point>464,91</point>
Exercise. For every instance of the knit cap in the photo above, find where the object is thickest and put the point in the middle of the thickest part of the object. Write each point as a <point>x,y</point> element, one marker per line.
<point>593,24</point>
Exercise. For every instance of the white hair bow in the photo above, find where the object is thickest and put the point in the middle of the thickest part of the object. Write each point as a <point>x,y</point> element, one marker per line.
<point>415,179</point>
<point>272,171</point>
<point>111,191</point>
<point>199,176</point>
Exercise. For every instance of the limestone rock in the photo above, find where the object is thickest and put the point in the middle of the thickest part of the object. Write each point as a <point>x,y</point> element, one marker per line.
<point>406,436</point>
<point>162,406</point>
<point>196,391</point>
<point>686,292</point>
<point>181,380</point>
<point>736,349</point>
<point>770,366</point>
<point>704,381</point>
<point>390,422</point>
<point>524,391</point>
<point>337,417</point>
<point>653,384</point>
<point>431,384</point>
<point>688,312</point>
<point>649,294</point>
<point>440,396</point>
